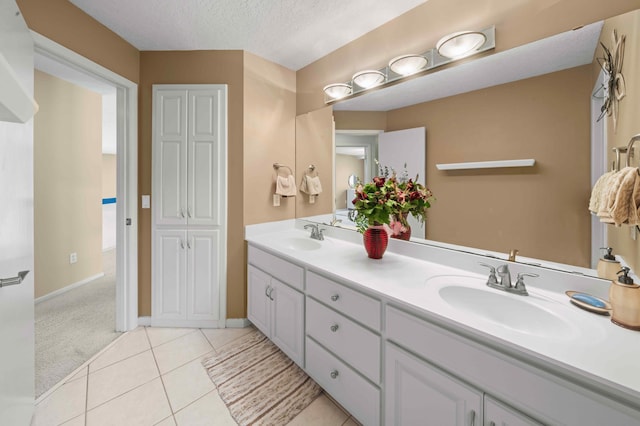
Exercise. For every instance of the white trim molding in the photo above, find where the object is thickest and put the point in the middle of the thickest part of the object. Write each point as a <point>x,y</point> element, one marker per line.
<point>238,322</point>
<point>70,287</point>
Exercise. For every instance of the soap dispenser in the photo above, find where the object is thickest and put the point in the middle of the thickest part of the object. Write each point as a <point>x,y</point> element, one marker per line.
<point>608,266</point>
<point>624,297</point>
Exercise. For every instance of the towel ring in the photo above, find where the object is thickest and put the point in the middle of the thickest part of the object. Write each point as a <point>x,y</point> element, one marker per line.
<point>313,171</point>
<point>278,166</point>
<point>630,148</point>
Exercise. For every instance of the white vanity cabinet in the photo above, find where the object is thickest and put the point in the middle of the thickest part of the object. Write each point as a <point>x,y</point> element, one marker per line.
<point>274,307</point>
<point>344,345</point>
<point>541,394</point>
<point>499,414</point>
<point>417,393</point>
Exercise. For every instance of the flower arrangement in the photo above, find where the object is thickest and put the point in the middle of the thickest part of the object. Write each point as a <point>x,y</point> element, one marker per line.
<point>388,200</point>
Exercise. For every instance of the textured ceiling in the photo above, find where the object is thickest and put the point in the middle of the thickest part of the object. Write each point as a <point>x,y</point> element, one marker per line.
<point>292,33</point>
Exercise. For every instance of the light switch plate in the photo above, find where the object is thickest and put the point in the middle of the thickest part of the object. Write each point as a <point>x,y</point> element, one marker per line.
<point>146,201</point>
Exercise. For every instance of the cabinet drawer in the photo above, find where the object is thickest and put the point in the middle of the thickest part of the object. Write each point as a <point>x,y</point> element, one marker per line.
<point>286,272</point>
<point>356,305</point>
<point>359,397</point>
<point>353,343</point>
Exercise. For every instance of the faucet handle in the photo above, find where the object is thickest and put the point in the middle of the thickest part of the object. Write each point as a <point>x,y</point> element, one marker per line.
<point>520,287</point>
<point>492,273</point>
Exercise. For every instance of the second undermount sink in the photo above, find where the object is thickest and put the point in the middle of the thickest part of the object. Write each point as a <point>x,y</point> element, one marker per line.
<point>513,312</point>
<point>301,243</point>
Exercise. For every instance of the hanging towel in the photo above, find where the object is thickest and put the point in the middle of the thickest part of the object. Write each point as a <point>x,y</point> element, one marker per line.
<point>599,192</point>
<point>609,195</point>
<point>624,210</point>
<point>311,185</point>
<point>286,186</point>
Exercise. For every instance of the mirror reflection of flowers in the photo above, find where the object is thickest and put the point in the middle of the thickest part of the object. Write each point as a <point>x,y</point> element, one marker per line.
<point>389,199</point>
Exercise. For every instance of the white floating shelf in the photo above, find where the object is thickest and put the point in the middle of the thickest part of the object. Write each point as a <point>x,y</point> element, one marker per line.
<point>487,164</point>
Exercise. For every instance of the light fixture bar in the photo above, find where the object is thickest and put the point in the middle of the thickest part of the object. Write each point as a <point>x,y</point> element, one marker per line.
<point>394,72</point>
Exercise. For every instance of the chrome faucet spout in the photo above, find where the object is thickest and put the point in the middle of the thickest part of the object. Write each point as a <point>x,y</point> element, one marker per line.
<point>316,232</point>
<point>505,276</point>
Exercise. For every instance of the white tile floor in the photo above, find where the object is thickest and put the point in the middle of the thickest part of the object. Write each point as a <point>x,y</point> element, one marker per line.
<point>153,376</point>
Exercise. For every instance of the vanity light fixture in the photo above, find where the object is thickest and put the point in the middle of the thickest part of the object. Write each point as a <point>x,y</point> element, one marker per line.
<point>337,90</point>
<point>408,64</point>
<point>450,48</point>
<point>369,78</point>
<point>460,44</point>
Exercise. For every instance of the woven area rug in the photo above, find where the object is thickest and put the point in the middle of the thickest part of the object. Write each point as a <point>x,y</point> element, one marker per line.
<point>259,384</point>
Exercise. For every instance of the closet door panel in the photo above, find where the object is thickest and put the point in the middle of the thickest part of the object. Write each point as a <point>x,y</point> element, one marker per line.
<point>169,290</point>
<point>205,162</point>
<point>170,157</point>
<point>203,275</point>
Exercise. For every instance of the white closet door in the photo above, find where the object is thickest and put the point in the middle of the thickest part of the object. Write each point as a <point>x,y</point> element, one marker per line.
<point>203,283</point>
<point>392,152</point>
<point>170,289</point>
<point>170,157</point>
<point>205,134</point>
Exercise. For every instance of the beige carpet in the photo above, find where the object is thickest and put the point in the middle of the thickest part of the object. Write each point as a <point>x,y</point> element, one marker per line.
<point>259,384</point>
<point>74,326</point>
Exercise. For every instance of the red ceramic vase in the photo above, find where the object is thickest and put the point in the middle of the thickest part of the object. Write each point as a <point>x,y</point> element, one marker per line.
<point>403,235</point>
<point>375,241</point>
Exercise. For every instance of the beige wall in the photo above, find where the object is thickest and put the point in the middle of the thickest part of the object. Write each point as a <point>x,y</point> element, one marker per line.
<point>314,146</point>
<point>540,210</point>
<point>67,183</point>
<point>346,165</point>
<point>269,137</point>
<point>64,23</point>
<point>628,120</point>
<point>109,176</point>
<point>196,67</point>
<point>360,120</point>
<point>517,23</point>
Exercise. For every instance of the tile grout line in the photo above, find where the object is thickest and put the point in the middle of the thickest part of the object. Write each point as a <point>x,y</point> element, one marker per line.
<point>86,398</point>
<point>164,388</point>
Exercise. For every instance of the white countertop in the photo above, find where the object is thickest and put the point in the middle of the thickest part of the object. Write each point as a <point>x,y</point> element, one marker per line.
<point>584,345</point>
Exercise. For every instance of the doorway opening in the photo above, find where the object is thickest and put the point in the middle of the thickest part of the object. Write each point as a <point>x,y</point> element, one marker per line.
<point>115,203</point>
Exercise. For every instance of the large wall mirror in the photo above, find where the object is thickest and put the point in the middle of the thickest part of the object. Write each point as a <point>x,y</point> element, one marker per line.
<point>531,102</point>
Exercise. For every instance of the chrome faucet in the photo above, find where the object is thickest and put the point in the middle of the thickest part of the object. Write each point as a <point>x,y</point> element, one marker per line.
<point>316,232</point>
<point>504,283</point>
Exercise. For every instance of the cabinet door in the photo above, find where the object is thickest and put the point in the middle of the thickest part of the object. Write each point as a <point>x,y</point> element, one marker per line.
<point>170,157</point>
<point>419,394</point>
<point>499,414</point>
<point>204,154</point>
<point>203,275</point>
<point>258,302</point>
<point>287,320</point>
<point>169,289</point>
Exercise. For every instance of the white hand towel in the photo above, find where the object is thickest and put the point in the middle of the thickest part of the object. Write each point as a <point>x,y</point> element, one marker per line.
<point>311,185</point>
<point>286,186</point>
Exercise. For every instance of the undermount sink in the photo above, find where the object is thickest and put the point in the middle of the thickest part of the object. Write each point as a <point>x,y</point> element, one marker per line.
<point>513,312</point>
<point>300,243</point>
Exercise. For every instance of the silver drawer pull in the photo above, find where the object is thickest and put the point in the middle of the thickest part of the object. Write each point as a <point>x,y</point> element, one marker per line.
<point>492,423</point>
<point>472,421</point>
<point>334,327</point>
<point>335,297</point>
<point>334,374</point>
<point>4,282</point>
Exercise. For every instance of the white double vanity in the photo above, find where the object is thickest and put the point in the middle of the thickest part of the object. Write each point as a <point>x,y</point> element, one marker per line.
<point>417,338</point>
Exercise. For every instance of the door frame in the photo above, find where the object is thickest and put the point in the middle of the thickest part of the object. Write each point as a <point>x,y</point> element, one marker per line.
<point>127,174</point>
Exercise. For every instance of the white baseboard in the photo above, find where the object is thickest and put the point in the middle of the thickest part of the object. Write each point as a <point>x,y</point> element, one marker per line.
<point>68,288</point>
<point>237,323</point>
<point>229,323</point>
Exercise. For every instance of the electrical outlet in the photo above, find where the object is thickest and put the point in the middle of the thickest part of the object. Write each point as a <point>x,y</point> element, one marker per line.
<point>73,258</point>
